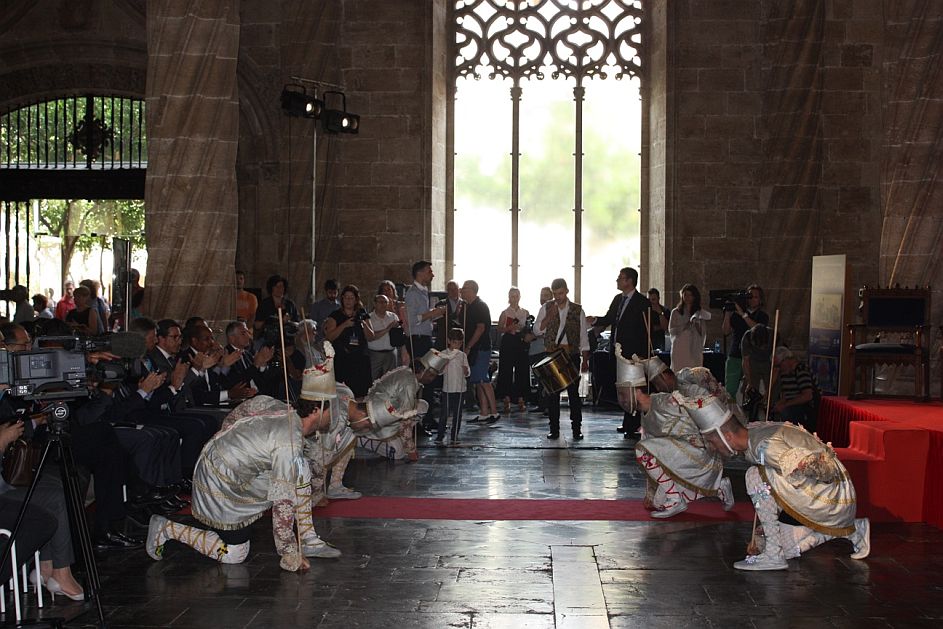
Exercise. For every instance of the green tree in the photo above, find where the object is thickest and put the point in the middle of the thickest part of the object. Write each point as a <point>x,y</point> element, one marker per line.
<point>84,225</point>
<point>610,179</point>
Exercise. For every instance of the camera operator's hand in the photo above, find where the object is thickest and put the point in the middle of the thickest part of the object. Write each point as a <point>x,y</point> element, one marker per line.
<point>263,356</point>
<point>241,391</point>
<point>229,359</point>
<point>10,433</point>
<point>94,357</point>
<point>179,374</point>
<point>151,382</point>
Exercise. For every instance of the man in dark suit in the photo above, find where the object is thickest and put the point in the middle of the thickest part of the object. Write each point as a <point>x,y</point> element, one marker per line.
<point>251,368</point>
<point>626,319</point>
<point>210,387</point>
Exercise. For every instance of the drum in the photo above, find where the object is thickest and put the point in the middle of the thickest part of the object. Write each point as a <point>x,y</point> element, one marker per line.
<point>556,372</point>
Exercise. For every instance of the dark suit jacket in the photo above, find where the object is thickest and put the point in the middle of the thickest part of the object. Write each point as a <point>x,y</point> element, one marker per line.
<point>629,330</point>
<point>175,402</point>
<point>203,391</point>
<point>244,370</point>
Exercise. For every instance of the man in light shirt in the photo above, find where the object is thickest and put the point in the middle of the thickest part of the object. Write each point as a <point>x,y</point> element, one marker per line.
<point>563,325</point>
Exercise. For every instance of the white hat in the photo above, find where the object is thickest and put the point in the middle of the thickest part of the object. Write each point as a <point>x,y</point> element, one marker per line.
<point>708,412</point>
<point>435,361</point>
<point>393,398</point>
<point>629,373</point>
<point>318,382</point>
<point>653,366</point>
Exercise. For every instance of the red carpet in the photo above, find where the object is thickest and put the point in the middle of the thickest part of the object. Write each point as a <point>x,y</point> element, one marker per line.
<point>837,413</point>
<point>391,508</point>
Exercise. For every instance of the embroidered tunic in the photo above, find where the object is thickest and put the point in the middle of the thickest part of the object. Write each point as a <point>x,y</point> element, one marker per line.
<point>821,496</point>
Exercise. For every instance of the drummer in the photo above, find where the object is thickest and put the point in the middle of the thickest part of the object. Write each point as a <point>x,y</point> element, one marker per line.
<point>563,326</point>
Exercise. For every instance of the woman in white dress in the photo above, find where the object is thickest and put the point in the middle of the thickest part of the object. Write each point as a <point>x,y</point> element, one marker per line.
<point>687,328</point>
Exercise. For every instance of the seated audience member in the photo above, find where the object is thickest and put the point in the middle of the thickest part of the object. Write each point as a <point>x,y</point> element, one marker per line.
<point>45,525</point>
<point>796,401</point>
<point>41,307</point>
<point>251,368</point>
<point>167,405</point>
<point>209,386</point>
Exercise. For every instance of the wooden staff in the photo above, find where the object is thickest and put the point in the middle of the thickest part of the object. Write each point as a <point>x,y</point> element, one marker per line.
<point>648,330</point>
<point>772,364</point>
<point>291,433</point>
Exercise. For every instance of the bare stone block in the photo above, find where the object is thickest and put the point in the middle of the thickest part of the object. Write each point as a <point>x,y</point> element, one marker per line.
<point>851,149</point>
<point>724,79</point>
<point>843,78</point>
<point>857,55</point>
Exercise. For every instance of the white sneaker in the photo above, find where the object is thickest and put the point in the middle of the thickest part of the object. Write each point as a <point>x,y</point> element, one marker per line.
<point>670,510</point>
<point>343,493</point>
<point>155,537</point>
<point>761,562</point>
<point>725,493</point>
<point>861,538</point>
<point>320,549</point>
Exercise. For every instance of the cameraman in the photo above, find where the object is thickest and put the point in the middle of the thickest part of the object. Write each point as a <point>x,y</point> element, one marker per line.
<point>95,447</point>
<point>740,315</point>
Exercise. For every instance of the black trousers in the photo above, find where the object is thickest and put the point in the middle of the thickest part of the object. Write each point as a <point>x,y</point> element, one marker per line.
<point>37,529</point>
<point>418,346</point>
<point>575,401</point>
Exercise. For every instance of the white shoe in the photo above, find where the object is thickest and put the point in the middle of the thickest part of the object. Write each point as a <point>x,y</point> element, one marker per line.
<point>320,549</point>
<point>725,493</point>
<point>343,493</point>
<point>670,510</point>
<point>861,538</point>
<point>761,562</point>
<point>155,537</point>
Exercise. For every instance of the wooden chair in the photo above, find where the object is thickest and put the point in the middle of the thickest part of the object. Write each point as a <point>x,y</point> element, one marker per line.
<point>893,332</point>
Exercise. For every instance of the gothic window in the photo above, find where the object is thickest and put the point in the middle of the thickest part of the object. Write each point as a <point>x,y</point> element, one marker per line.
<point>547,125</point>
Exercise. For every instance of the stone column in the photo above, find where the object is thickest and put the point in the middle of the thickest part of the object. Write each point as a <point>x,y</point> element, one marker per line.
<point>193,129</point>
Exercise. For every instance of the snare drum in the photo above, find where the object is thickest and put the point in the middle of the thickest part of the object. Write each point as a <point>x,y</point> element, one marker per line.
<point>556,372</point>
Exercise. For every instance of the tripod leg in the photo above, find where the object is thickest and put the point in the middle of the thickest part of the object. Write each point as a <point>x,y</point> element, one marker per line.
<point>75,503</point>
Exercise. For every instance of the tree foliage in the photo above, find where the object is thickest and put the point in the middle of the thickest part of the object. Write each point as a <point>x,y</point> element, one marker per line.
<point>85,225</point>
<point>610,183</point>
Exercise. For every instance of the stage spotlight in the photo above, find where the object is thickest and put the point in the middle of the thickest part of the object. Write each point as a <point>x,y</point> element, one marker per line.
<point>299,103</point>
<point>339,120</point>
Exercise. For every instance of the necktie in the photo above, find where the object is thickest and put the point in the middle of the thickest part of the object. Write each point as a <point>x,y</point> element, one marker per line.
<point>625,301</point>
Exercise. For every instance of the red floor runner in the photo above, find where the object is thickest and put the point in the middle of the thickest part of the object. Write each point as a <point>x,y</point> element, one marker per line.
<point>392,508</point>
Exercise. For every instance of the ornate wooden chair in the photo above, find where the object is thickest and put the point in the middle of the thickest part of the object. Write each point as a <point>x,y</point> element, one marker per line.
<point>893,332</point>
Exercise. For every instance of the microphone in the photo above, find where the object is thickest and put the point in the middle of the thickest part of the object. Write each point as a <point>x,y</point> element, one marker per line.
<point>126,344</point>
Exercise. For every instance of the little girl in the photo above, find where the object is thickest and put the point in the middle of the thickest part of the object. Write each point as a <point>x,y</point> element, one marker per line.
<point>453,385</point>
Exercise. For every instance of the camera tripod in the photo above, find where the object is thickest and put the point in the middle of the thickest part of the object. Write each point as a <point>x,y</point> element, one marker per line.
<point>75,505</point>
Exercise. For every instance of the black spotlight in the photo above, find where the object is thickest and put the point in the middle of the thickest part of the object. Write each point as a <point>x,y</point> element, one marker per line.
<point>340,120</point>
<point>299,103</point>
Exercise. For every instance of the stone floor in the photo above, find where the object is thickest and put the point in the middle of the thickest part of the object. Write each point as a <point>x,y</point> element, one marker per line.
<point>522,575</point>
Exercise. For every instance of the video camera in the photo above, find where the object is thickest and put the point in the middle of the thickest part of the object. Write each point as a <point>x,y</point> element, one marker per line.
<point>727,300</point>
<point>272,334</point>
<point>57,368</point>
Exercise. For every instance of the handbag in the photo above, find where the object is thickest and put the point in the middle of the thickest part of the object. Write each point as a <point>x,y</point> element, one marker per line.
<point>397,336</point>
<point>20,463</point>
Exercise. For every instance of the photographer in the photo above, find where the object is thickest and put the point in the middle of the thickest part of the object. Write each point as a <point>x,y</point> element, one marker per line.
<point>740,314</point>
<point>345,330</point>
<point>96,447</point>
<point>513,367</point>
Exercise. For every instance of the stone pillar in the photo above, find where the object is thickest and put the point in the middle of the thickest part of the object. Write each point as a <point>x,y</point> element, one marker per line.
<point>193,126</point>
<point>764,148</point>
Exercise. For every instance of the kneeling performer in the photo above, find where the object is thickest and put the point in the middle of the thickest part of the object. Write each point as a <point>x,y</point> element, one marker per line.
<point>793,472</point>
<point>253,464</point>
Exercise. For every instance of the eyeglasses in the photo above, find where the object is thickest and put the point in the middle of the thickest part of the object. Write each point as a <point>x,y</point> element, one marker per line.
<point>174,336</point>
